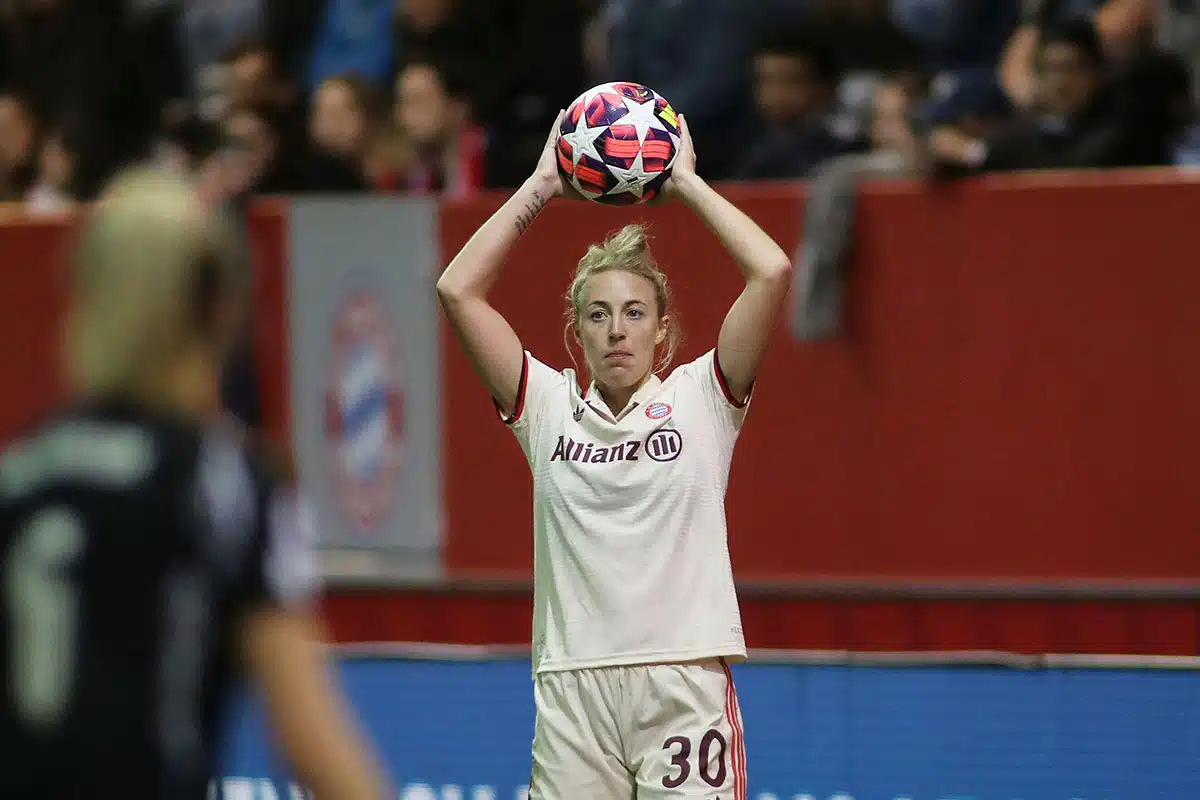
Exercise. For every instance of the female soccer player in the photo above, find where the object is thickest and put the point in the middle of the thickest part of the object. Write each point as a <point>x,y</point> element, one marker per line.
<point>635,615</point>
<point>145,550</point>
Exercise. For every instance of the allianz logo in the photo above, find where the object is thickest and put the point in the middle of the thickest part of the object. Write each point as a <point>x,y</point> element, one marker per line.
<point>664,444</point>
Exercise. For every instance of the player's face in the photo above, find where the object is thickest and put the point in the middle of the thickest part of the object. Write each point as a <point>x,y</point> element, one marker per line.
<point>619,328</point>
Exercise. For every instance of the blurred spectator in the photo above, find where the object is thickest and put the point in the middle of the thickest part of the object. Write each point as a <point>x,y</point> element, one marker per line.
<point>341,127</point>
<point>152,48</point>
<point>1181,32</point>
<point>595,42</point>
<point>252,152</point>
<point>795,89</point>
<point>343,111</point>
<point>463,31</point>
<point>971,101</point>
<point>291,28</point>
<point>355,36</point>
<point>433,113</point>
<point>207,33</point>
<point>891,128</point>
<point>182,47</point>
<point>697,54</point>
<point>18,147</point>
<point>387,157</point>
<point>830,210</point>
<point>866,44</point>
<point>71,61</point>
<point>1178,31</point>
<point>958,34</point>
<point>492,73</point>
<point>1122,26</point>
<point>1187,149</point>
<point>1080,117</point>
<point>1161,91</point>
<point>521,96</point>
<point>864,37</point>
<point>54,190</point>
<point>186,140</point>
<point>255,80</point>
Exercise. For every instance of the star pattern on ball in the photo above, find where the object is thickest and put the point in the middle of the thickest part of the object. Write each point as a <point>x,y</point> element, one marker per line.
<point>583,140</point>
<point>630,180</point>
<point>642,117</point>
<point>609,130</point>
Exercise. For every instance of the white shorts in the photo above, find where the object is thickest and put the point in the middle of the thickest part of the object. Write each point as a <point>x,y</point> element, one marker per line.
<point>647,732</point>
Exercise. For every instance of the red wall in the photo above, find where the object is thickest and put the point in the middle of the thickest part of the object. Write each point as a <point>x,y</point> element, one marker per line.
<point>1015,394</point>
<point>34,259</point>
<point>1013,399</point>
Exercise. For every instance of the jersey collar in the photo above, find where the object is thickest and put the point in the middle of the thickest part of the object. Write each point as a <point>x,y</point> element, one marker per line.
<point>646,391</point>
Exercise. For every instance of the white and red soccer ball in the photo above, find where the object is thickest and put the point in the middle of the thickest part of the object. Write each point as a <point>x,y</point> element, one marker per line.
<point>617,143</point>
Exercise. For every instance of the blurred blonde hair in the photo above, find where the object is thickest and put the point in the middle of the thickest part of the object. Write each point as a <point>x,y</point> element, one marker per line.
<point>149,269</point>
<point>627,250</point>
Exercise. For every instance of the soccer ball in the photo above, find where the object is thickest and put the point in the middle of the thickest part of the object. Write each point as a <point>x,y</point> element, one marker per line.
<point>617,142</point>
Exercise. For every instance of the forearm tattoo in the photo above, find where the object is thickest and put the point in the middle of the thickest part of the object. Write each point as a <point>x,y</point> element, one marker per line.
<point>532,209</point>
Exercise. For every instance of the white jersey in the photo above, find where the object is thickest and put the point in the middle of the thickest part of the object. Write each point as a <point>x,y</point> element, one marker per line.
<point>631,559</point>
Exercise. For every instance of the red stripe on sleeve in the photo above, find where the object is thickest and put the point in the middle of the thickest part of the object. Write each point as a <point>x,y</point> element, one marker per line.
<point>522,385</point>
<point>724,384</point>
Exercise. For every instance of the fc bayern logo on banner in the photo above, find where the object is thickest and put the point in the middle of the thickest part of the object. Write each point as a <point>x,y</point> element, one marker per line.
<point>364,409</point>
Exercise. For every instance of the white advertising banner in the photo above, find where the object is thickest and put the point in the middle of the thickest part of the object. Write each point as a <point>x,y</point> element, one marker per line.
<point>364,375</point>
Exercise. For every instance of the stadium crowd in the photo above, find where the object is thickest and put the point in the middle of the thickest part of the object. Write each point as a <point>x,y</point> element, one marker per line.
<point>291,96</point>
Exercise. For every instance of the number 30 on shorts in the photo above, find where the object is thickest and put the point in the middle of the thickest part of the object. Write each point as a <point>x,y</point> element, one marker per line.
<point>711,766</point>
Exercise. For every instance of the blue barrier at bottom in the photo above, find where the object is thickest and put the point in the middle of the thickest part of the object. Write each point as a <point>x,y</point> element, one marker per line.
<point>451,730</point>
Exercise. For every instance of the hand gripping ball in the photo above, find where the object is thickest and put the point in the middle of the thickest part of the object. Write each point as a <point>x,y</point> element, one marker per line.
<point>617,142</point>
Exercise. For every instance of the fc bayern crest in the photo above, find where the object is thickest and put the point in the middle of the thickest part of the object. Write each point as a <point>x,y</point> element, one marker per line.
<point>364,409</point>
<point>658,410</point>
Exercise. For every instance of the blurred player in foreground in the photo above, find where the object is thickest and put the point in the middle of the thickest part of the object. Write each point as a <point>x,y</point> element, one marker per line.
<point>145,552</point>
<point>635,615</point>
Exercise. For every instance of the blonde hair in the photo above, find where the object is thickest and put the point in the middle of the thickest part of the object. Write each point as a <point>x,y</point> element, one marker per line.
<point>150,266</point>
<point>627,250</point>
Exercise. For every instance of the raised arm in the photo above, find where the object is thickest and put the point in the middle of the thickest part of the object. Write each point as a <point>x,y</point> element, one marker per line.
<point>1119,23</point>
<point>767,269</point>
<point>489,341</point>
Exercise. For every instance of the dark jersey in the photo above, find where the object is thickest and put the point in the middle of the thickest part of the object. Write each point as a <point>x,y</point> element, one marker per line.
<point>130,547</point>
